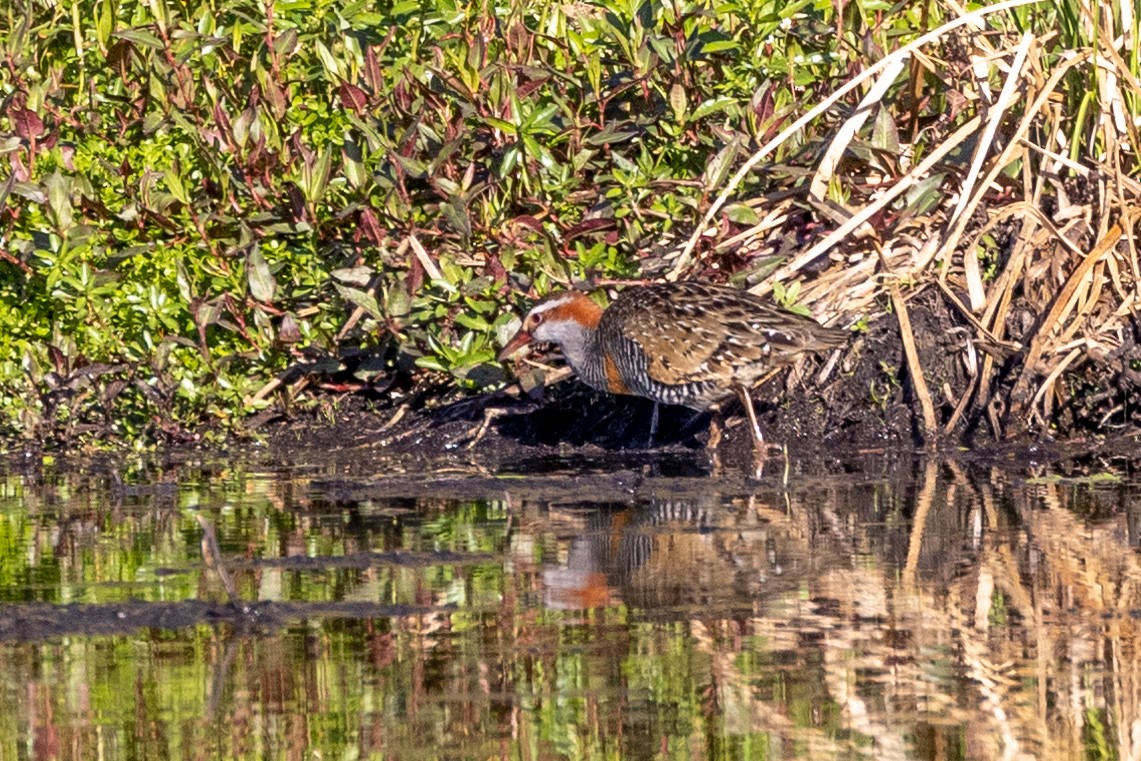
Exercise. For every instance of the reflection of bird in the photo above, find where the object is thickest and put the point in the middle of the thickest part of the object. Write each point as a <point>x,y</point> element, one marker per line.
<point>666,556</point>
<point>692,344</point>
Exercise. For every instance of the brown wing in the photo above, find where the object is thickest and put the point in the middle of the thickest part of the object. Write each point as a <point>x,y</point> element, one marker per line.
<point>695,332</point>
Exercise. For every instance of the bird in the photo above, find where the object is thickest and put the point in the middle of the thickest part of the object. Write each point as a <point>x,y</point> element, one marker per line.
<point>687,343</point>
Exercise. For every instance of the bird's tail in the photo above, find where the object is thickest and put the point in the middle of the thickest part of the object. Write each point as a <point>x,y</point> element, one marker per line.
<point>826,339</point>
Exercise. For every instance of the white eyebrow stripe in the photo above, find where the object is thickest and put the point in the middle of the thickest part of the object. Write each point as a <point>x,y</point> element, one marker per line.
<point>549,305</point>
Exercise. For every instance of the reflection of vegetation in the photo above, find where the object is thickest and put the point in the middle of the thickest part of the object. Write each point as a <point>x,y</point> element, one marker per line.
<point>882,620</point>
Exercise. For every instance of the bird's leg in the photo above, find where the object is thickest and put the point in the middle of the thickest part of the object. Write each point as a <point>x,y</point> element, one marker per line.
<point>754,427</point>
<point>489,414</point>
<point>715,429</point>
<point>653,427</point>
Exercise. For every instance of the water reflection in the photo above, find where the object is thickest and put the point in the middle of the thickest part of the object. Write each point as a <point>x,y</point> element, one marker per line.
<point>935,610</point>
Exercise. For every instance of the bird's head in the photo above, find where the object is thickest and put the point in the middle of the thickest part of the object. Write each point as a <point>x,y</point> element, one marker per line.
<point>566,318</point>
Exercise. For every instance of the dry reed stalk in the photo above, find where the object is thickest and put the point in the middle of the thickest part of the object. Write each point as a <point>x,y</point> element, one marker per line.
<point>685,255</point>
<point>1048,384</point>
<point>914,366</point>
<point>1115,279</point>
<point>965,313</point>
<point>1062,305</point>
<point>1087,298</point>
<point>976,375</point>
<point>859,218</point>
<point>996,317</point>
<point>428,265</point>
<point>1008,154</point>
<point>1129,220</point>
<point>1044,255</point>
<point>962,212</point>
<point>831,159</point>
<point>963,403</point>
<point>776,217</point>
<point>996,314</point>
<point>1005,284</point>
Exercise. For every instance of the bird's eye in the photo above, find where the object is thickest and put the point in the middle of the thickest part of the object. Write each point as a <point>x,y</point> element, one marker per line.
<point>536,319</point>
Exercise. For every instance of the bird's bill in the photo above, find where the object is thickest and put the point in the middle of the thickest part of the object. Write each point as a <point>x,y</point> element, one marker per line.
<point>521,339</point>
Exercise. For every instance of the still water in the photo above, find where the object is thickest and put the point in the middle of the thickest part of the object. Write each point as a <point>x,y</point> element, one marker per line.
<point>914,610</point>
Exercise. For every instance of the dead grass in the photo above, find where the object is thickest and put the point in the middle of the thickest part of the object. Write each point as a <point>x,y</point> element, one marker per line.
<point>1057,187</point>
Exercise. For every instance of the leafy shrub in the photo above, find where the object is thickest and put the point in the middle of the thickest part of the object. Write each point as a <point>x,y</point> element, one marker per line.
<point>208,203</point>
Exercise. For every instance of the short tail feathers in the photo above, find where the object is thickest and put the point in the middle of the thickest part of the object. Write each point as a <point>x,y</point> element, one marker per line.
<point>798,334</point>
<point>831,338</point>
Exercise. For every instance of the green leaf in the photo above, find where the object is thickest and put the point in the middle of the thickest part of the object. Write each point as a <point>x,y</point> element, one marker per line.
<point>712,106</point>
<point>59,199</point>
<point>678,102</point>
<point>925,194</point>
<point>613,133</point>
<point>182,280</point>
<point>362,299</point>
<point>502,125</point>
<point>331,65</point>
<point>140,37</point>
<point>314,178</point>
<point>472,322</point>
<point>361,276</point>
<point>719,46</point>
<point>286,42</point>
<point>174,184</point>
<point>104,22</point>
<point>741,214</point>
<point>717,170</point>
<point>885,136</point>
<point>263,286</point>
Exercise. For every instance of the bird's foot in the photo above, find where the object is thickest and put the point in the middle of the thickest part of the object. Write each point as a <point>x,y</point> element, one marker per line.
<point>478,432</point>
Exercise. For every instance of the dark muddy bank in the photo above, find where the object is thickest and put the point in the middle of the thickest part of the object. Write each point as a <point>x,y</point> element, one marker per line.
<point>862,400</point>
